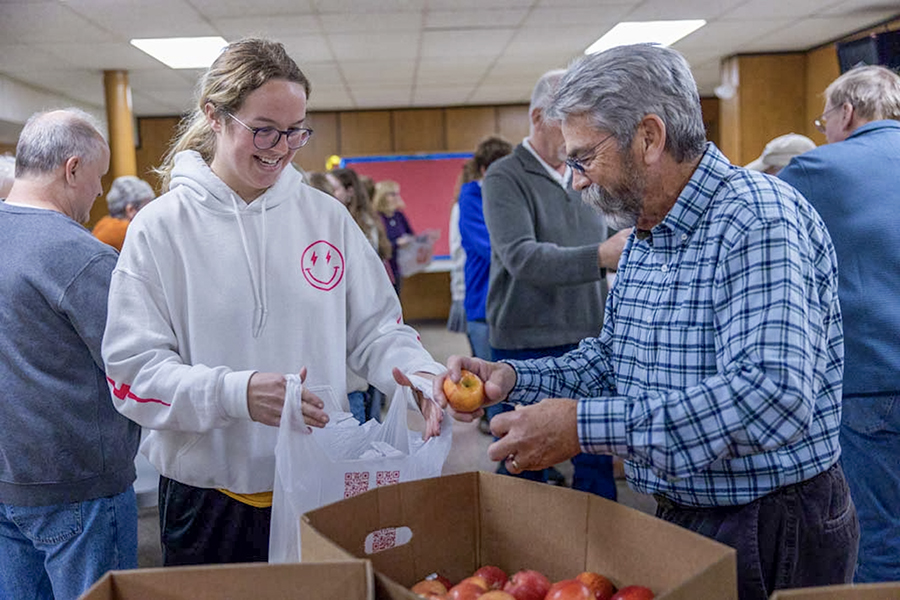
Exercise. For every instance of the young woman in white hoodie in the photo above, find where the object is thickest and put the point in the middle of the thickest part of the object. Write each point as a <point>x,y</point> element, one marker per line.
<point>239,275</point>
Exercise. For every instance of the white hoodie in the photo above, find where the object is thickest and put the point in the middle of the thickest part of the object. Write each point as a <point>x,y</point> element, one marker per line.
<point>209,289</point>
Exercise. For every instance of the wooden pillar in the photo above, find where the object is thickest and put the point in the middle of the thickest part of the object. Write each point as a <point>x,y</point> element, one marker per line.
<point>123,160</point>
<point>122,156</point>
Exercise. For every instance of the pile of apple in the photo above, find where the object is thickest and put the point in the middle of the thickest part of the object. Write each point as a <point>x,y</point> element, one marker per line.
<point>492,583</point>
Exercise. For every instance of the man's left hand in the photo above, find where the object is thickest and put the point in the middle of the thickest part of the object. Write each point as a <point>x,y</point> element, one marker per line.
<point>536,437</point>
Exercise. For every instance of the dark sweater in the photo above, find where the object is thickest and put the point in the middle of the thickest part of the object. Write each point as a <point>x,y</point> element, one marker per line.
<point>63,440</point>
<point>546,286</point>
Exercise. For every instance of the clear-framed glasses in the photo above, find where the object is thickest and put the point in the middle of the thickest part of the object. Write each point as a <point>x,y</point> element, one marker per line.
<point>265,138</point>
<point>821,121</point>
<point>579,163</point>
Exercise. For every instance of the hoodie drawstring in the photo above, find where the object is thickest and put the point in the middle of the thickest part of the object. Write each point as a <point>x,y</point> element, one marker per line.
<point>260,290</point>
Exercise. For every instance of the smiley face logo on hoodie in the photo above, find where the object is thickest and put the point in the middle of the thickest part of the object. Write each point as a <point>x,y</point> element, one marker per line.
<point>323,265</point>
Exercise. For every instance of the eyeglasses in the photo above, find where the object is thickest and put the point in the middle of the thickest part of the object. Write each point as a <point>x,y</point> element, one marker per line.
<point>821,121</point>
<point>265,138</point>
<point>578,164</point>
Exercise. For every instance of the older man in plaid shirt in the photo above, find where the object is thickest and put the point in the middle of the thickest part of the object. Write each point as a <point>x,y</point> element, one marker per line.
<point>717,375</point>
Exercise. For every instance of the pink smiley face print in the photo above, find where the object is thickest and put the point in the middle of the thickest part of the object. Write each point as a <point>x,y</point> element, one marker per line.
<point>323,265</point>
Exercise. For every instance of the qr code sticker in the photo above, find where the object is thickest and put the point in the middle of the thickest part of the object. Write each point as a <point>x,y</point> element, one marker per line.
<point>386,478</point>
<point>355,483</point>
<point>384,539</point>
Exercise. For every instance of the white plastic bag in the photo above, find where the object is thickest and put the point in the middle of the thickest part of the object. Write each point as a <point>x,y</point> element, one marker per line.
<point>317,466</point>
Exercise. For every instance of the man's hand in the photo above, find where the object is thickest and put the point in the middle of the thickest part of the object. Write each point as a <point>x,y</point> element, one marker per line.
<point>430,409</point>
<point>499,380</point>
<point>536,437</point>
<point>610,251</point>
<point>265,400</point>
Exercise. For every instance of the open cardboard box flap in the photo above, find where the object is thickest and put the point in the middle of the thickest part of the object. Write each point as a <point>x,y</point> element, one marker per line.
<point>345,580</point>
<point>461,522</point>
<point>868,591</point>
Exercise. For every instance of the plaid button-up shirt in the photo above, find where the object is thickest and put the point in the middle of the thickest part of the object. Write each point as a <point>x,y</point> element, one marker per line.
<point>717,374</point>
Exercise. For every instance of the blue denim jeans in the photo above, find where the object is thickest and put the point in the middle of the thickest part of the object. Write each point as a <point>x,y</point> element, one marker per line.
<point>870,454</point>
<point>592,472</point>
<point>477,332</point>
<point>366,405</point>
<point>59,551</point>
<point>802,535</point>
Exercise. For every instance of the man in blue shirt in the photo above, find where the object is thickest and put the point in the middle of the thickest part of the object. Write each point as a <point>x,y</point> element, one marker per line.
<point>717,374</point>
<point>853,183</point>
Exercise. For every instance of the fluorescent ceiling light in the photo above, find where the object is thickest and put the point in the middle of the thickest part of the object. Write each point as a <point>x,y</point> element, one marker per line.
<point>183,53</point>
<point>664,33</point>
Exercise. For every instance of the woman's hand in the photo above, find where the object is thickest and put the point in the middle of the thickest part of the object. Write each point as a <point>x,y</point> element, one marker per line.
<point>430,409</point>
<point>265,400</point>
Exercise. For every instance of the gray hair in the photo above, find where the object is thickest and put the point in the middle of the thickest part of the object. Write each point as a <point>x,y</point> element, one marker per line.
<point>874,92</point>
<point>543,91</point>
<point>617,88</point>
<point>126,191</point>
<point>7,173</point>
<point>51,138</point>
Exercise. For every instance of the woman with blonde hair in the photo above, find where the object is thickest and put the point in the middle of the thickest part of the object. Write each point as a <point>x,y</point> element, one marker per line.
<point>389,204</point>
<point>233,280</point>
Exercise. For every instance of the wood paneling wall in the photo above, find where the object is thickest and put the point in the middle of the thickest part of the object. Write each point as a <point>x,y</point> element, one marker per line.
<point>774,94</point>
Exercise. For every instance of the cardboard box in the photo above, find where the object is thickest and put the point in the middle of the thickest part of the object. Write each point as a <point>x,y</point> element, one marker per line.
<point>868,591</point>
<point>345,580</point>
<point>458,523</point>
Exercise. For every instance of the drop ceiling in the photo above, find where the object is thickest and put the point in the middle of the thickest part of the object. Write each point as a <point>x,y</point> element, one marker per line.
<point>365,54</point>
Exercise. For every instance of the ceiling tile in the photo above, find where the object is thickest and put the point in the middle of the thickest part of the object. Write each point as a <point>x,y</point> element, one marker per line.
<point>283,26</point>
<point>103,56</point>
<point>441,96</point>
<point>378,72</point>
<point>378,96</point>
<point>467,5</point>
<point>363,46</point>
<point>476,18</point>
<point>161,18</point>
<point>361,22</point>
<point>805,34</point>
<point>38,22</point>
<point>465,42</point>
<point>656,10</point>
<point>600,18</point>
<point>449,71</point>
<point>78,84</point>
<point>368,6</point>
<point>308,48</point>
<point>322,74</point>
<point>499,94</point>
<point>216,9</point>
<point>21,58</point>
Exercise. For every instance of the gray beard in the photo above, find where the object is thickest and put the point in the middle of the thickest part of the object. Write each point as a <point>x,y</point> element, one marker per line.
<point>621,212</point>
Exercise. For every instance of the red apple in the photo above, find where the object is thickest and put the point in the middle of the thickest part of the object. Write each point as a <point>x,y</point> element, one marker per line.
<point>465,590</point>
<point>633,592</point>
<point>600,586</point>
<point>495,576</point>
<point>467,395</point>
<point>496,595</point>
<point>477,580</point>
<point>429,588</point>
<point>528,585</point>
<point>569,589</point>
<point>447,583</point>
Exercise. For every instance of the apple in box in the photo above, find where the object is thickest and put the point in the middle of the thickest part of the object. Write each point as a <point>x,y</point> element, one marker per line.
<point>569,589</point>
<point>528,584</point>
<point>633,592</point>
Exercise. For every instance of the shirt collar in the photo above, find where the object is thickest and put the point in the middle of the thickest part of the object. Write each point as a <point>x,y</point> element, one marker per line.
<point>563,179</point>
<point>695,198</point>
